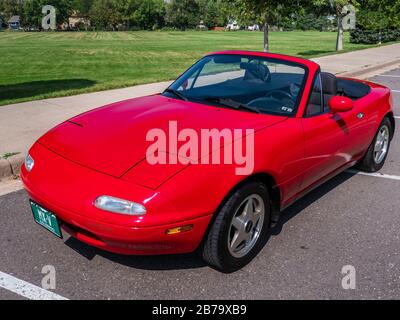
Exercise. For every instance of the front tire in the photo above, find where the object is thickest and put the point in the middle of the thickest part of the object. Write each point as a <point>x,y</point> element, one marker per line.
<point>240,229</point>
<point>377,152</point>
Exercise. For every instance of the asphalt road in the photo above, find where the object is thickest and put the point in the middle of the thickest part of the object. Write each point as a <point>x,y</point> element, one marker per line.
<point>351,220</point>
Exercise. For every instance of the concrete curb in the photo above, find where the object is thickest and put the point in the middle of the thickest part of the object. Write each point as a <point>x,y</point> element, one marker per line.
<point>11,167</point>
<point>369,71</point>
<point>5,168</point>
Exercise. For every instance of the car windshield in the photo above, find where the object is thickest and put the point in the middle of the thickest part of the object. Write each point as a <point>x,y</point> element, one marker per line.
<point>248,83</point>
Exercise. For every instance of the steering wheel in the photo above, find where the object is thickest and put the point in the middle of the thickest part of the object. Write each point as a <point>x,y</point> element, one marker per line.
<point>267,103</point>
<point>276,100</point>
<point>279,94</point>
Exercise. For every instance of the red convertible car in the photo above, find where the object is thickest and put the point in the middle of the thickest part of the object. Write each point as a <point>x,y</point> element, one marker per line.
<point>95,175</point>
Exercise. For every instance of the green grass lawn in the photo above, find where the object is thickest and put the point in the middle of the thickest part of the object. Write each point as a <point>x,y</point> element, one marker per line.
<point>43,65</point>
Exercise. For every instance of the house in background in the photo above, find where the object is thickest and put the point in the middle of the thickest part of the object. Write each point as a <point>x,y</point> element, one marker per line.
<point>14,23</point>
<point>77,22</point>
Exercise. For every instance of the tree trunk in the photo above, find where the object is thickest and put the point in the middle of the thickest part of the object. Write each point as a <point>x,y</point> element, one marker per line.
<point>266,36</point>
<point>339,41</point>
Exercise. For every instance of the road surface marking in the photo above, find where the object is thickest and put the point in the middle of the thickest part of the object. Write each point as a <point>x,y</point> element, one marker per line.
<point>396,91</point>
<point>376,175</point>
<point>397,117</point>
<point>26,289</point>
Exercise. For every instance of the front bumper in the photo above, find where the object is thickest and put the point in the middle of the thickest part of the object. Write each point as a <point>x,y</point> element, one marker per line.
<point>68,190</point>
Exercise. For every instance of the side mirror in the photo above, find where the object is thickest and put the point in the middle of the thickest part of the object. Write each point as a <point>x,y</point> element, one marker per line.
<point>340,104</point>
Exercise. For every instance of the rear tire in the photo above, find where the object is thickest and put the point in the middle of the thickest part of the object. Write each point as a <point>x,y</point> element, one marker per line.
<point>377,152</point>
<point>238,234</point>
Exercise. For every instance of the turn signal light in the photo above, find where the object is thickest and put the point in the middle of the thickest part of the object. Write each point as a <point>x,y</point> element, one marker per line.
<point>179,230</point>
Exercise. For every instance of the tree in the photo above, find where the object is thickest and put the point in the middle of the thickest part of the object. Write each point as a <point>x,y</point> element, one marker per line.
<point>183,14</point>
<point>105,14</point>
<point>63,9</point>
<point>1,14</point>
<point>32,13</point>
<point>82,7</point>
<point>265,11</point>
<point>143,14</point>
<point>338,7</point>
<point>12,8</point>
<point>376,15</point>
<point>213,12</point>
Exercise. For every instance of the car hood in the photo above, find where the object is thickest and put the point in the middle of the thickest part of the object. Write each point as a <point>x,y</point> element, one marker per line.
<point>112,139</point>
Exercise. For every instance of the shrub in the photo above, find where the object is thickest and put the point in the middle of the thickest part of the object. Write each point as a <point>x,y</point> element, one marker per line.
<point>374,37</point>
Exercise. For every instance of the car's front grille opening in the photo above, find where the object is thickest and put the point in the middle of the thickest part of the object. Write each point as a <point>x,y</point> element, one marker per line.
<point>80,233</point>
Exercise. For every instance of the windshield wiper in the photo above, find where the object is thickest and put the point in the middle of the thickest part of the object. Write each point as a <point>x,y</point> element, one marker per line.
<point>232,104</point>
<point>177,93</point>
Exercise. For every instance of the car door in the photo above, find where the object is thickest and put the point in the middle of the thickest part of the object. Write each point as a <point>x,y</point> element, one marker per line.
<point>329,139</point>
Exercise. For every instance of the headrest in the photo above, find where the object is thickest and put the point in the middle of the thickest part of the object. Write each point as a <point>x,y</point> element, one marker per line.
<point>256,71</point>
<point>329,83</point>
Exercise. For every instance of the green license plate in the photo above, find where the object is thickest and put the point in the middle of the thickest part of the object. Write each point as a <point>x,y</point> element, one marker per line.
<point>46,219</point>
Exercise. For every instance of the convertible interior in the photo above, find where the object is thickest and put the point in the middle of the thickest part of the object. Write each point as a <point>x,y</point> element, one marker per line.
<point>268,89</point>
<point>256,87</point>
<point>333,86</point>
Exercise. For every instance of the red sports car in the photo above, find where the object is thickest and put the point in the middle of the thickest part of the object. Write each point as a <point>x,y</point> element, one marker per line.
<point>210,163</point>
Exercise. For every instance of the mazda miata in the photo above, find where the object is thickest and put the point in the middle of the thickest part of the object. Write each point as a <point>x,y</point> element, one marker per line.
<point>94,176</point>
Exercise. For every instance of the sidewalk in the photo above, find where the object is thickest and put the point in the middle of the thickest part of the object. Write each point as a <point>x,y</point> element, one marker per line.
<point>363,63</point>
<point>22,124</point>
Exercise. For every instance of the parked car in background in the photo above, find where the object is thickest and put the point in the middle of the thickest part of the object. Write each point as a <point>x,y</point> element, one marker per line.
<point>254,27</point>
<point>233,26</point>
<point>201,26</point>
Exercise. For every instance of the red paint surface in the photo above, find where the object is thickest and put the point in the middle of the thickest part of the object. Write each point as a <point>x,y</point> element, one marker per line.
<point>102,152</point>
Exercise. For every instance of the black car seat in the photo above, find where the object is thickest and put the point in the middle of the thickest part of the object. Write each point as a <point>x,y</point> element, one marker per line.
<point>329,89</point>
